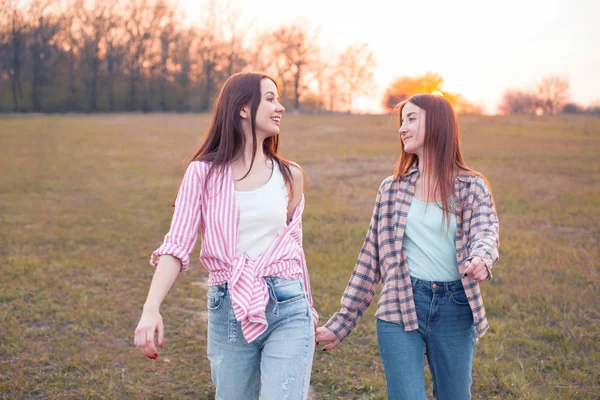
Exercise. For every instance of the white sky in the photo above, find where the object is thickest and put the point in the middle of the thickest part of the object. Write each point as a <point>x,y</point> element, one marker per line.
<point>481,48</point>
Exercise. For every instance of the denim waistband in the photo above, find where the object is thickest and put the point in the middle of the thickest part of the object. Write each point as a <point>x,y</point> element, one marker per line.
<point>438,287</point>
<point>271,281</point>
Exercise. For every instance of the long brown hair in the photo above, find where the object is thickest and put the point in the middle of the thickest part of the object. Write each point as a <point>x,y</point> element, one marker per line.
<point>225,138</point>
<point>441,154</point>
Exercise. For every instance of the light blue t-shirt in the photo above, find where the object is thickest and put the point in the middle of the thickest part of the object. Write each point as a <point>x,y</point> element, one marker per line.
<point>429,244</point>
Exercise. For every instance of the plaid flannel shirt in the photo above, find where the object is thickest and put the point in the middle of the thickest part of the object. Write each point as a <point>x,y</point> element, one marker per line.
<point>382,257</point>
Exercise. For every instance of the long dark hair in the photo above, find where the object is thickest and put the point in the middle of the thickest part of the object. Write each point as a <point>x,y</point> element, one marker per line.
<point>225,138</point>
<point>441,153</point>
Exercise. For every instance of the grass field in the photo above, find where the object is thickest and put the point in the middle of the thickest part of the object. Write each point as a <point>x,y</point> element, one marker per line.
<point>85,199</point>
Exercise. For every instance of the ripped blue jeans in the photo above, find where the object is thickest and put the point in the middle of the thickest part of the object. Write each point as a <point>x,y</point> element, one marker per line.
<point>277,364</point>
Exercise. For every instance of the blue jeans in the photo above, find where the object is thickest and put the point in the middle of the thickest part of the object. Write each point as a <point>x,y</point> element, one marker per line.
<point>277,364</point>
<point>446,331</point>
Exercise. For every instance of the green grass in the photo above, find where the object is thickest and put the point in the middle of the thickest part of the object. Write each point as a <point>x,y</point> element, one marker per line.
<point>85,199</point>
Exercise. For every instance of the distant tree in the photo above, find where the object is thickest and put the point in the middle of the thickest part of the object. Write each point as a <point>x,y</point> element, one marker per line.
<point>183,65</point>
<point>463,106</point>
<point>71,52</point>
<point>573,108</point>
<point>115,53</point>
<point>141,21</point>
<point>552,93</point>
<point>289,54</point>
<point>406,86</point>
<point>333,87</point>
<point>219,48</point>
<point>293,45</point>
<point>14,48</point>
<point>518,102</point>
<point>593,109</point>
<point>355,71</point>
<point>235,57</point>
<point>169,33</point>
<point>319,89</point>
<point>93,22</point>
<point>44,25</point>
<point>210,51</point>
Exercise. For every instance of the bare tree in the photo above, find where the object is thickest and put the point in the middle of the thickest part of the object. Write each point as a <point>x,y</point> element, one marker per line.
<point>317,75</point>
<point>93,24</point>
<point>44,26</point>
<point>517,102</point>
<point>293,46</point>
<point>233,37</point>
<point>324,78</point>
<point>71,46</point>
<point>183,65</point>
<point>116,51</point>
<point>355,69</point>
<point>169,33</point>
<point>219,47</point>
<point>141,21</point>
<point>553,93</point>
<point>14,50</point>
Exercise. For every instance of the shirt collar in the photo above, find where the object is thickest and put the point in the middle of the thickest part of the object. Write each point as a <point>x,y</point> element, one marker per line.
<point>463,176</point>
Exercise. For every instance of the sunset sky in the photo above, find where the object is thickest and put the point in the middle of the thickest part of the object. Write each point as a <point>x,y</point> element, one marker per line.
<point>481,48</point>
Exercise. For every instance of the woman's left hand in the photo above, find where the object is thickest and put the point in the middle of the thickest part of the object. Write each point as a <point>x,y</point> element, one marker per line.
<point>476,269</point>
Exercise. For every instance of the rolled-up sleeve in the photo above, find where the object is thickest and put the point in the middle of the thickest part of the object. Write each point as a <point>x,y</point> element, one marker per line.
<point>484,228</point>
<point>180,240</point>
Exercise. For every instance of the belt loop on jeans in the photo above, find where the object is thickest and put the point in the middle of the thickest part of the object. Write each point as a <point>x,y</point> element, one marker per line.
<point>272,296</point>
<point>413,282</point>
<point>232,325</point>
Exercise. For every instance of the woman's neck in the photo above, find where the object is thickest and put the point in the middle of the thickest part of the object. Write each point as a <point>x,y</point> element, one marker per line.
<point>244,158</point>
<point>424,170</point>
<point>423,184</point>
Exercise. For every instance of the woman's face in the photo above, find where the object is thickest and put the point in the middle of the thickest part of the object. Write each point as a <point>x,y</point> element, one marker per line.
<point>412,129</point>
<point>270,111</point>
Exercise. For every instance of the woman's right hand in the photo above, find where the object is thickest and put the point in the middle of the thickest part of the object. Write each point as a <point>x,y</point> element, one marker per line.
<point>150,322</point>
<point>324,335</point>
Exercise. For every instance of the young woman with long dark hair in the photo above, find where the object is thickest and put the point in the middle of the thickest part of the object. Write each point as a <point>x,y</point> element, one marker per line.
<point>247,201</point>
<point>432,239</point>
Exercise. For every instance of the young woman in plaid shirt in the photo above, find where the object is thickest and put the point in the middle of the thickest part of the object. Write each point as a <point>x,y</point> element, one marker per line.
<point>432,239</point>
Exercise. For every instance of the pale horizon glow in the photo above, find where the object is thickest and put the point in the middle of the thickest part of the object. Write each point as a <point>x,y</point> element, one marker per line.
<point>480,48</point>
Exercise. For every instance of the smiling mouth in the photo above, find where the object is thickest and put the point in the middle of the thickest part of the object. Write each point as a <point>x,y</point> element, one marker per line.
<point>276,119</point>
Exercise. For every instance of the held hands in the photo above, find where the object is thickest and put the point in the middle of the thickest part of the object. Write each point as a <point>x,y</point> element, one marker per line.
<point>150,322</point>
<point>324,335</point>
<point>476,269</point>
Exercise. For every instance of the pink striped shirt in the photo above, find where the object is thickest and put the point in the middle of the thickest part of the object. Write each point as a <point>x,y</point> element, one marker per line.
<point>213,209</point>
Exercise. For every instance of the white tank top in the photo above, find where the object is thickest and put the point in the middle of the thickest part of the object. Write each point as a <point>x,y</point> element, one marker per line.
<point>263,214</point>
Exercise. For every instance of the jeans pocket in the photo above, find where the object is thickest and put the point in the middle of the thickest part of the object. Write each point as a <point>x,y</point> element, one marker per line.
<point>287,290</point>
<point>459,297</point>
<point>215,298</point>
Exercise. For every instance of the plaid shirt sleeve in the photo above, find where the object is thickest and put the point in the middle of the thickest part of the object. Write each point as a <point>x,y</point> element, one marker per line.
<point>363,283</point>
<point>484,228</point>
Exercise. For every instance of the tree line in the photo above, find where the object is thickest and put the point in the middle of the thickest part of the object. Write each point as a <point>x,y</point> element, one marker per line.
<point>141,55</point>
<point>550,96</point>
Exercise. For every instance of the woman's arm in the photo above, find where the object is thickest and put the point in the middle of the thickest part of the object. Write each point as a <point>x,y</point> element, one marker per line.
<point>171,257</point>
<point>483,235</point>
<point>360,289</point>
<point>298,190</point>
<point>187,216</point>
<point>295,199</point>
<point>151,321</point>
